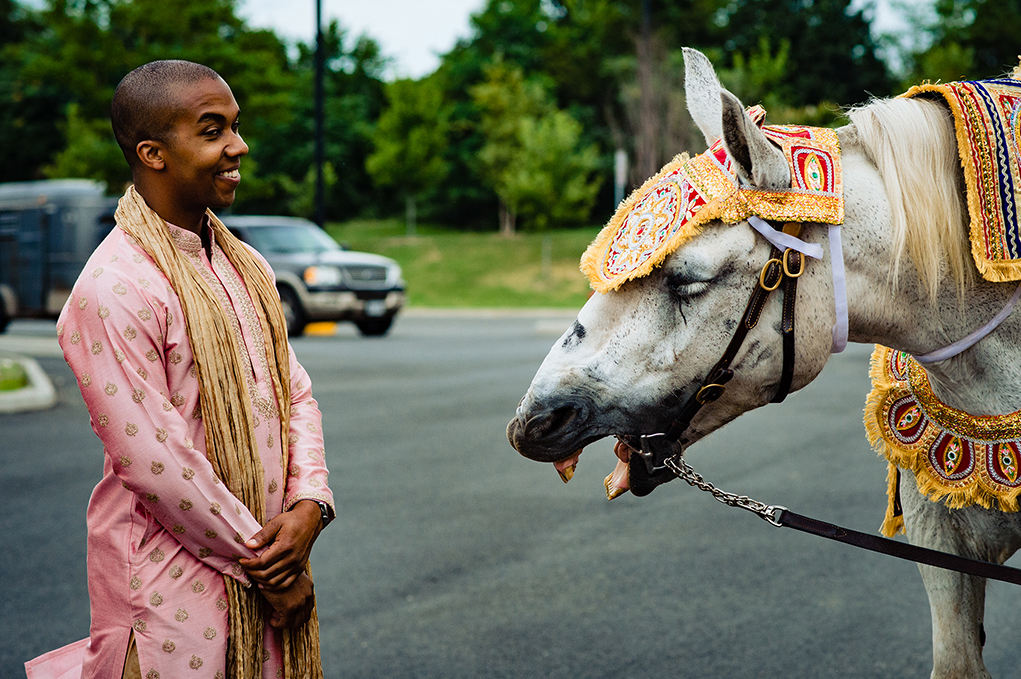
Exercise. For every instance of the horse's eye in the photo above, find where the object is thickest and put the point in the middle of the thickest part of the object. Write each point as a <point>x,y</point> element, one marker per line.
<point>686,289</point>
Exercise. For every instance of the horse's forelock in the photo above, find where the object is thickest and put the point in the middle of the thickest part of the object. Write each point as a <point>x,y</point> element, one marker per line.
<point>912,144</point>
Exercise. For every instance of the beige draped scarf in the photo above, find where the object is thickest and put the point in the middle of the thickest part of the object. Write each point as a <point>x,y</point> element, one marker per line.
<point>227,412</point>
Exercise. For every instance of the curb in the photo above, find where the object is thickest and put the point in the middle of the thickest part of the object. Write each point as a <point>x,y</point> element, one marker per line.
<point>487,312</point>
<point>38,395</point>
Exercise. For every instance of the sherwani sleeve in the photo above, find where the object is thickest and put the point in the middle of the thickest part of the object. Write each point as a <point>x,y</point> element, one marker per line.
<point>114,335</point>
<point>306,469</point>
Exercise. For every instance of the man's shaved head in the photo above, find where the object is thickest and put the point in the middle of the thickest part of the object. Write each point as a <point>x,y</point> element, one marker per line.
<point>146,103</point>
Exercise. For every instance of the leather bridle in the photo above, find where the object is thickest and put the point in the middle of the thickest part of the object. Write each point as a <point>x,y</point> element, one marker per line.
<point>782,269</point>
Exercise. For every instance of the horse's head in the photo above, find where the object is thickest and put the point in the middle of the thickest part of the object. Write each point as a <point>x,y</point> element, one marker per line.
<point>636,354</point>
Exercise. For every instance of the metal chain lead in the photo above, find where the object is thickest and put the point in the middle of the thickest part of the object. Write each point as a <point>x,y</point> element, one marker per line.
<point>683,470</point>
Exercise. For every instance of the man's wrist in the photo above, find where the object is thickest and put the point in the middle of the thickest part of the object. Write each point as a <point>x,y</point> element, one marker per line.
<point>325,511</point>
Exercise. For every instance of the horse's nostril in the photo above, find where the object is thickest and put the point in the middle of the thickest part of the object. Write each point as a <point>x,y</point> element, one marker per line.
<point>553,421</point>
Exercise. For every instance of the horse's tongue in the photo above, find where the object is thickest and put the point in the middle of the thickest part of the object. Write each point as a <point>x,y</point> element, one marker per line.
<point>567,466</point>
<point>618,482</point>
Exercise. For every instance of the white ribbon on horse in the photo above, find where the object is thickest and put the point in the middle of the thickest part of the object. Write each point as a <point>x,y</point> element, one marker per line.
<point>972,339</point>
<point>783,241</point>
<point>839,290</point>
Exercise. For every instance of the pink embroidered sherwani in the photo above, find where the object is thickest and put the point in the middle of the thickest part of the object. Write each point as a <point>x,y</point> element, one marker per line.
<point>163,530</point>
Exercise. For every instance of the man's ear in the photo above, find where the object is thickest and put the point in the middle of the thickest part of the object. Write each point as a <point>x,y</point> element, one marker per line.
<point>150,154</point>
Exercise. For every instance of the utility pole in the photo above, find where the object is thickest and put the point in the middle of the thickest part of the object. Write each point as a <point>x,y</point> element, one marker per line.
<point>320,63</point>
<point>646,152</point>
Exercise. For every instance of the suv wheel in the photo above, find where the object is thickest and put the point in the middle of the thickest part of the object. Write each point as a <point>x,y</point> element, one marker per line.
<point>293,313</point>
<point>375,327</point>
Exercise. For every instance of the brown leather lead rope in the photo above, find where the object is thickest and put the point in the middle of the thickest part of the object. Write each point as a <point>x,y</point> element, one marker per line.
<point>901,550</point>
<point>781,516</point>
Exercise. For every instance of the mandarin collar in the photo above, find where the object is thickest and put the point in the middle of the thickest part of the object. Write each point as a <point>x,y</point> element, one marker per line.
<point>189,241</point>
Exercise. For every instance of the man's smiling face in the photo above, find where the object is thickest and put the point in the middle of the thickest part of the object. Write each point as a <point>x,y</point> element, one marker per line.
<point>202,155</point>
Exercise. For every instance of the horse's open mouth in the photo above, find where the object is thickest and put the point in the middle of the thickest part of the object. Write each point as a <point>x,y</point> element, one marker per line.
<point>631,473</point>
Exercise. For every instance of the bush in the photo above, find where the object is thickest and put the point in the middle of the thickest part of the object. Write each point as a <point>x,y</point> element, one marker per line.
<point>12,375</point>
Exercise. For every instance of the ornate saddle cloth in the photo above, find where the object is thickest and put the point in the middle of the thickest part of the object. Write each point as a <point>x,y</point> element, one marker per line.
<point>672,206</point>
<point>959,458</point>
<point>987,118</point>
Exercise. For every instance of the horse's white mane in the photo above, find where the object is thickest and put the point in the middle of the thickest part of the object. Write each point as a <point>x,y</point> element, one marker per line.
<point>912,144</point>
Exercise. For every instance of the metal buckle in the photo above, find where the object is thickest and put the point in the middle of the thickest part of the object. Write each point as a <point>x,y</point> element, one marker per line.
<point>763,273</point>
<point>703,397</point>
<point>648,456</point>
<point>786,268</point>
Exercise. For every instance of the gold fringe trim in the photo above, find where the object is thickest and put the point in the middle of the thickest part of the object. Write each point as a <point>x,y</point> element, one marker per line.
<point>994,271</point>
<point>595,253</point>
<point>893,522</point>
<point>970,492</point>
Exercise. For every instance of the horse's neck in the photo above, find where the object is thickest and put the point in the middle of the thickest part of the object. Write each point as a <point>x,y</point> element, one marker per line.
<point>985,379</point>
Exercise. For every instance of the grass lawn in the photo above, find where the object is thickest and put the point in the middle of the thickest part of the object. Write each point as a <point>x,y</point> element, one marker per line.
<point>445,268</point>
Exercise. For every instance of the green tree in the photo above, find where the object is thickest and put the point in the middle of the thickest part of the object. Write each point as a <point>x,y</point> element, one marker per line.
<point>91,153</point>
<point>533,156</point>
<point>82,48</point>
<point>969,39</point>
<point>29,107</point>
<point>549,181</point>
<point>830,53</point>
<point>564,44</point>
<point>354,99</point>
<point>505,99</point>
<point>410,142</point>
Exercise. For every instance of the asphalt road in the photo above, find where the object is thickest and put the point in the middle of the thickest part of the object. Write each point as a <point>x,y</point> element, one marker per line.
<point>454,557</point>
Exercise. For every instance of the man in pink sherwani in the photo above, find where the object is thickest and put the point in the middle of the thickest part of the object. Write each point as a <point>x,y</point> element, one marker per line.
<point>166,535</point>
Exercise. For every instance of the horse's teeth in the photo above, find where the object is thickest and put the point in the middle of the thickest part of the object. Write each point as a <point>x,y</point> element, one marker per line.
<point>567,466</point>
<point>617,483</point>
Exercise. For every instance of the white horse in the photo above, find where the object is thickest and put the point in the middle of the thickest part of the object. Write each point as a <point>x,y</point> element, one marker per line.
<point>634,354</point>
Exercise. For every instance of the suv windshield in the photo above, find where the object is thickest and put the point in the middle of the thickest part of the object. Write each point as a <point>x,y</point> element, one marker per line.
<point>287,239</point>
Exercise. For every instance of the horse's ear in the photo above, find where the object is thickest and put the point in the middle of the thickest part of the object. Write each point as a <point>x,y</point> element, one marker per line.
<point>702,92</point>
<point>759,162</point>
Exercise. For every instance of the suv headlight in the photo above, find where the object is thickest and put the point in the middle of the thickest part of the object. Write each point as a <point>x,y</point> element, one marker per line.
<point>322,276</point>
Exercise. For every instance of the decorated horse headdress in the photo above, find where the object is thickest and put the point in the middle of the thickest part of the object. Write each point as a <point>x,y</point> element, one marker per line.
<point>673,206</point>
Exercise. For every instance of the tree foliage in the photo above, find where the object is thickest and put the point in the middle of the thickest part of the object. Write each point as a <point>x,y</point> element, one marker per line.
<point>969,39</point>
<point>830,53</point>
<point>534,157</point>
<point>410,141</point>
<point>526,113</point>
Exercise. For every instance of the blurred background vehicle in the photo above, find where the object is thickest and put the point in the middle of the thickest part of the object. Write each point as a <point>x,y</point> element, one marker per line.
<point>320,280</point>
<point>48,230</point>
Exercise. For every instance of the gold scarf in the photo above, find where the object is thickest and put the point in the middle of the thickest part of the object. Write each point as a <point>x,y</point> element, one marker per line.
<point>227,412</point>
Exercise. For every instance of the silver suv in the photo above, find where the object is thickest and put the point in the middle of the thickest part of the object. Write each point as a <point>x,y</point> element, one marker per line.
<point>318,279</point>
